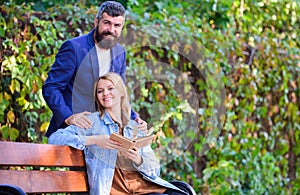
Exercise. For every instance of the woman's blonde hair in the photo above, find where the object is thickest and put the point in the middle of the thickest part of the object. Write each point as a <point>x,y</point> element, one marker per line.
<point>119,85</point>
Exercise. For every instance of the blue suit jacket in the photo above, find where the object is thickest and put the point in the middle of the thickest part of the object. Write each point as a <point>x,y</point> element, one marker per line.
<point>69,87</point>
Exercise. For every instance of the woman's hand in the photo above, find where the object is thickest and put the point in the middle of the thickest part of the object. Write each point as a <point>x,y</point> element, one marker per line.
<point>134,155</point>
<point>102,141</point>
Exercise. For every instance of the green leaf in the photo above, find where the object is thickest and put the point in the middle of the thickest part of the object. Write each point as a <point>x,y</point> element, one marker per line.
<point>5,132</point>
<point>13,134</point>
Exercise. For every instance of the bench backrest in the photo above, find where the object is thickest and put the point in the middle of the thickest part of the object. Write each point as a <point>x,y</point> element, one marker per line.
<point>42,168</point>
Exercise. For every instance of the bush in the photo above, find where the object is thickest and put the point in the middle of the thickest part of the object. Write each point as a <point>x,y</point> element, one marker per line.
<point>229,116</point>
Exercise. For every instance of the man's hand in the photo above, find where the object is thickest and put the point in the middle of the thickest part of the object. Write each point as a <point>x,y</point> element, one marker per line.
<point>80,120</point>
<point>142,125</point>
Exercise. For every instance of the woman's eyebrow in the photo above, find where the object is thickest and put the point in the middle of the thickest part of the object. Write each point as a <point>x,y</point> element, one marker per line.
<point>110,85</point>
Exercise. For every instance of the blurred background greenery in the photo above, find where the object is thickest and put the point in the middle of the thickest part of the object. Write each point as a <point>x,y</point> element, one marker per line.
<point>253,47</point>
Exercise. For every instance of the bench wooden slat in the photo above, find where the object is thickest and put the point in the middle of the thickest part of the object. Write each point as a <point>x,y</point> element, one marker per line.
<point>18,153</point>
<point>45,181</point>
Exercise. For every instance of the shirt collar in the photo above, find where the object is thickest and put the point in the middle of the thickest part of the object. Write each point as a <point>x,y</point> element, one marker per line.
<point>108,121</point>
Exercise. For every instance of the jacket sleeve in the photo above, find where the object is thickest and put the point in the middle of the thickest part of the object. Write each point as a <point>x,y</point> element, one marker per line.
<point>69,136</point>
<point>150,166</point>
<point>57,82</point>
<point>133,114</point>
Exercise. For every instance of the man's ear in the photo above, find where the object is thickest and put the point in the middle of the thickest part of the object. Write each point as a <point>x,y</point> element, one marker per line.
<point>96,22</point>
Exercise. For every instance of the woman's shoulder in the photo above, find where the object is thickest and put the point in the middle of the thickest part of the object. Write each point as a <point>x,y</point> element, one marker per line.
<point>94,116</point>
<point>131,124</point>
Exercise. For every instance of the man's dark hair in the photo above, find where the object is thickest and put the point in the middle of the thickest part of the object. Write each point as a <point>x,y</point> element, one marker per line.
<point>112,8</point>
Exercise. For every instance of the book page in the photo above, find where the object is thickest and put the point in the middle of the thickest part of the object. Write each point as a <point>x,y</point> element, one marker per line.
<point>129,144</point>
<point>125,142</point>
<point>143,141</point>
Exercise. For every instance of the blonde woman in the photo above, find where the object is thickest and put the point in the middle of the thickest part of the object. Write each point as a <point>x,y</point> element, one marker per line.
<point>111,169</point>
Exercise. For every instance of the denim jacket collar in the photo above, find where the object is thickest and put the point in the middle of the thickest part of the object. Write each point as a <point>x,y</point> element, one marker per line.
<point>108,121</point>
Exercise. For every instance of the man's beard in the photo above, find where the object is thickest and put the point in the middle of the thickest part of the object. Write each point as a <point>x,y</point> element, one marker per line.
<point>105,43</point>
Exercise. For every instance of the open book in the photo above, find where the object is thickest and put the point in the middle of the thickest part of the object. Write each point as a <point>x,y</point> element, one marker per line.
<point>129,144</point>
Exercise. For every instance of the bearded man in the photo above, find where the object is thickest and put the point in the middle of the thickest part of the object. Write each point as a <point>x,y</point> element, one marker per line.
<point>68,90</point>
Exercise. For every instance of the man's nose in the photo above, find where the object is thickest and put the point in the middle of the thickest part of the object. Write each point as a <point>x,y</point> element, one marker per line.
<point>112,28</point>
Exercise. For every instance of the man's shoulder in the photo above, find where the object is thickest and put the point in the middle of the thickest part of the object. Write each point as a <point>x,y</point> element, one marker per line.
<point>86,38</point>
<point>80,37</point>
<point>118,50</point>
<point>118,47</point>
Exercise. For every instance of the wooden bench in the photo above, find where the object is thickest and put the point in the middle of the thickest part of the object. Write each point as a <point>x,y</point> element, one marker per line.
<point>43,168</point>
<point>46,168</point>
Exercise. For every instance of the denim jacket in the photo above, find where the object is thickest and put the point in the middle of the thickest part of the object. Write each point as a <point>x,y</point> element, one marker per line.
<point>101,162</point>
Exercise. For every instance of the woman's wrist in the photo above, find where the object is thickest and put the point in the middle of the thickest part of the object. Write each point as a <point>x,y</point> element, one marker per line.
<point>139,162</point>
<point>90,140</point>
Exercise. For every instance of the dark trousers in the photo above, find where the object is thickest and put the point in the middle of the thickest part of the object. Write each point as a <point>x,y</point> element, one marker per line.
<point>169,192</point>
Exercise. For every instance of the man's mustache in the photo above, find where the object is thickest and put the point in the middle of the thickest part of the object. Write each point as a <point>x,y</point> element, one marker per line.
<point>108,33</point>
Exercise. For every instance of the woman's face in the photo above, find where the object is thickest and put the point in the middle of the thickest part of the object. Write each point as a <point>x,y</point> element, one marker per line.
<point>107,94</point>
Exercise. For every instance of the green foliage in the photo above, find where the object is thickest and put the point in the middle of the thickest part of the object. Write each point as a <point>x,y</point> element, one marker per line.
<point>257,46</point>
<point>249,50</point>
<point>30,41</point>
<point>23,73</point>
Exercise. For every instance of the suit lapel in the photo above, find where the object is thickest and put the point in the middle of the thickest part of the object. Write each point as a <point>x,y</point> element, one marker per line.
<point>93,55</point>
<point>94,63</point>
<point>112,54</point>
